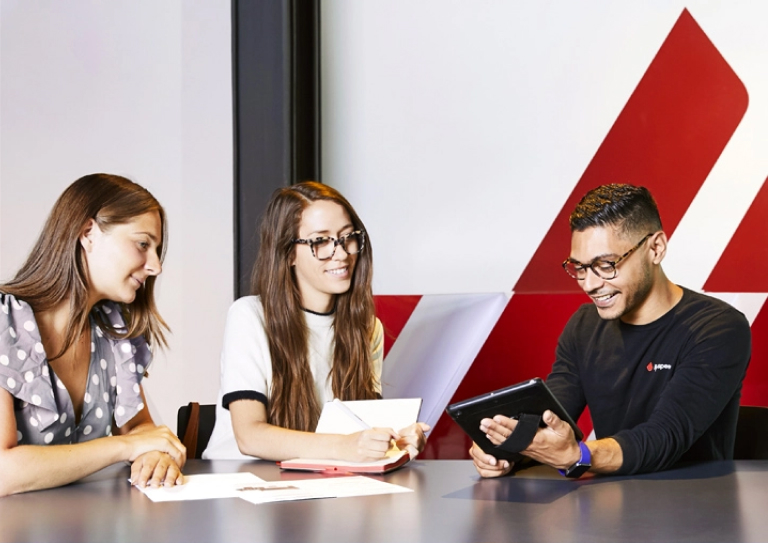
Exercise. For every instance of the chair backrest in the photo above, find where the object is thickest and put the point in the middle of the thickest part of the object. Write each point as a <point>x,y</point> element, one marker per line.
<point>751,433</point>
<point>194,425</point>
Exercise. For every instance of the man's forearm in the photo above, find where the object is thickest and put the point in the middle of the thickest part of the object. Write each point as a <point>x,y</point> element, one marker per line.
<point>607,456</point>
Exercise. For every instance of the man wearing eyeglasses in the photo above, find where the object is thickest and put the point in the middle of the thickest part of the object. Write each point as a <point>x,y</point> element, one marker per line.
<point>659,366</point>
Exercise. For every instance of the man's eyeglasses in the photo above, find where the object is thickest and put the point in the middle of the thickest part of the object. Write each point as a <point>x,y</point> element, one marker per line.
<point>323,248</point>
<point>604,269</point>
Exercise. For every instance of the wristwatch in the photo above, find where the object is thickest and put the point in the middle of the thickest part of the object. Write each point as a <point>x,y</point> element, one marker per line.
<point>582,464</point>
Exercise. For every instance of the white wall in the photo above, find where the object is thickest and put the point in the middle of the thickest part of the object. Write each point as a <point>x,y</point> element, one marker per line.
<point>141,89</point>
<point>458,128</point>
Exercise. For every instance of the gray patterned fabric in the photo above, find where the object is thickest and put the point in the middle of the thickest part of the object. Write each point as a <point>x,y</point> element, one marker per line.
<point>43,408</point>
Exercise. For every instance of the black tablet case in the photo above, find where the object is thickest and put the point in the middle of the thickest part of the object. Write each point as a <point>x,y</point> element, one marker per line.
<point>531,397</point>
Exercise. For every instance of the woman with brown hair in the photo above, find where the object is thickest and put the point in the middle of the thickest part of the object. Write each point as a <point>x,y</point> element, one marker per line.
<point>307,335</point>
<point>76,323</point>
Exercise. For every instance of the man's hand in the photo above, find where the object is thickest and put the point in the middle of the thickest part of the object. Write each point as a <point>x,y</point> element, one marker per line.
<point>554,445</point>
<point>487,465</point>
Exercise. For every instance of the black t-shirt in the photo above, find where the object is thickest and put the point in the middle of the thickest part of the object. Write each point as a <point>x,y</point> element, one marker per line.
<point>666,391</point>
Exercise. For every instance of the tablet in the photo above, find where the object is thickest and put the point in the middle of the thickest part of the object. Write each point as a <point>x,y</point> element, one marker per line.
<point>531,397</point>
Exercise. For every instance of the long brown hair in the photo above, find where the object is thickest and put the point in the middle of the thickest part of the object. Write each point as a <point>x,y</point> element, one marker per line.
<point>293,403</point>
<point>56,270</point>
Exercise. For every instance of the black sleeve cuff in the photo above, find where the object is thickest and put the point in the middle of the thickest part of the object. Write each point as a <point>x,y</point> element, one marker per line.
<point>243,395</point>
<point>630,464</point>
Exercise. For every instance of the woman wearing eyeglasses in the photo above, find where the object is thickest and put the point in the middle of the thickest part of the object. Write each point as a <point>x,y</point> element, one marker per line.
<point>307,335</point>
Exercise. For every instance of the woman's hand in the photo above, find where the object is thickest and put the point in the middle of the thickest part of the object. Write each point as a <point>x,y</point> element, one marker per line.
<point>149,438</point>
<point>368,445</point>
<point>155,469</point>
<point>412,439</point>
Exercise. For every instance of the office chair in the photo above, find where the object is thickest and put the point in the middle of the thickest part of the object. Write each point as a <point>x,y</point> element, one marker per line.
<point>194,425</point>
<point>751,433</point>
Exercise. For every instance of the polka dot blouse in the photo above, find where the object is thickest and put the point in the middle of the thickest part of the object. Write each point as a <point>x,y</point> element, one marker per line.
<point>44,411</point>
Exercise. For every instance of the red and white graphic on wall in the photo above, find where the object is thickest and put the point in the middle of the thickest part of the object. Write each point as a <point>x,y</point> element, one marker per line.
<point>668,137</point>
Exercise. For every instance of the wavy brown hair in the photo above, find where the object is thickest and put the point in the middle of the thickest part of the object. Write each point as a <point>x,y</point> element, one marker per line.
<point>56,269</point>
<point>293,403</point>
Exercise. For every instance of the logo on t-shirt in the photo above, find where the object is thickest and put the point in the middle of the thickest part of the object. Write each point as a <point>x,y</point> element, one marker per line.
<point>656,367</point>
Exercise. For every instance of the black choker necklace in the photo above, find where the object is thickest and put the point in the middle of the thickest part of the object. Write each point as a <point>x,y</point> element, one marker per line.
<point>331,312</point>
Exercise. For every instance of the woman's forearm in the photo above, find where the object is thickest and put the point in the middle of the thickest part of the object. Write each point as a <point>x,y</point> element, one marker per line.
<point>35,467</point>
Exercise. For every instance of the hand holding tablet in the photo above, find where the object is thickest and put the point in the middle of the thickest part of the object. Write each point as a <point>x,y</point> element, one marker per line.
<point>525,402</point>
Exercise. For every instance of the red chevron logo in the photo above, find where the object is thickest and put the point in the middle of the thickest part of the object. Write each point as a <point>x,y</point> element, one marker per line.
<point>668,137</point>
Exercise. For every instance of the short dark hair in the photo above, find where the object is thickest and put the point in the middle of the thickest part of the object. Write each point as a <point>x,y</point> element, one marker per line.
<point>629,208</point>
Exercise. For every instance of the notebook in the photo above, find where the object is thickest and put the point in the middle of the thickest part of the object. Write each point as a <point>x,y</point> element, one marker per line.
<point>348,417</point>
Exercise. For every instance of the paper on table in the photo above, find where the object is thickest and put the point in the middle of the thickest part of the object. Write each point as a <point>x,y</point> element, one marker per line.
<point>308,489</point>
<point>283,491</point>
<point>203,487</point>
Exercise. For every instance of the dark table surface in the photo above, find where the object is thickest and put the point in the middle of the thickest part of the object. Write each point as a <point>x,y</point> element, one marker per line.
<point>720,501</point>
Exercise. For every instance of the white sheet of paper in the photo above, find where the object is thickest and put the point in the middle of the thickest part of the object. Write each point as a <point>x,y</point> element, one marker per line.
<point>395,413</point>
<point>336,418</point>
<point>327,487</point>
<point>282,491</point>
<point>437,346</point>
<point>392,413</point>
<point>204,487</point>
